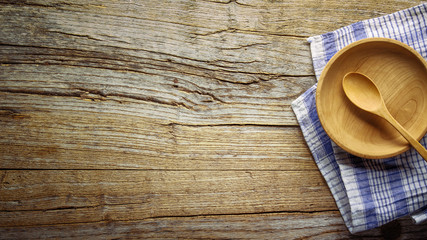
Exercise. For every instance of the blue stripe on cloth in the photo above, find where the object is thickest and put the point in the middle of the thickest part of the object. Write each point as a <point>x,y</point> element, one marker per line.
<point>329,45</point>
<point>408,40</point>
<point>386,23</point>
<point>423,47</point>
<point>359,30</point>
<point>400,37</point>
<point>370,216</point>
<point>325,142</point>
<point>398,195</point>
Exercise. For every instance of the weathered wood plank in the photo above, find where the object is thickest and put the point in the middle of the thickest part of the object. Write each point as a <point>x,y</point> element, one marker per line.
<point>255,226</point>
<point>66,132</point>
<point>228,56</point>
<point>174,97</point>
<point>321,225</point>
<point>293,18</point>
<point>29,198</point>
<point>260,65</point>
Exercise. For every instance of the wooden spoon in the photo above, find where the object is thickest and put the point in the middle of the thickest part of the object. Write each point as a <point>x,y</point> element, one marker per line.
<point>363,93</point>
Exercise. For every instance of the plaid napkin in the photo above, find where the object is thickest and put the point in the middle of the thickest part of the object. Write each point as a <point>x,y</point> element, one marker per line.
<point>368,193</point>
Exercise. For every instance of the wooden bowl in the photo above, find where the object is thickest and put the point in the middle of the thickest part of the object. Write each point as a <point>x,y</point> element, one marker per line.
<point>401,76</point>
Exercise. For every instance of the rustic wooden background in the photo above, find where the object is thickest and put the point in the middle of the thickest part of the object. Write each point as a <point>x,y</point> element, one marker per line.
<point>165,119</point>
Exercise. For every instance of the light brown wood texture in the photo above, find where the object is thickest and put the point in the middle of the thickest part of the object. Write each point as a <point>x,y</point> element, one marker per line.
<point>400,74</point>
<point>165,119</point>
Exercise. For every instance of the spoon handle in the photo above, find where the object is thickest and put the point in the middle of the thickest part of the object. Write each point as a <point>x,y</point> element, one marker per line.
<point>420,149</point>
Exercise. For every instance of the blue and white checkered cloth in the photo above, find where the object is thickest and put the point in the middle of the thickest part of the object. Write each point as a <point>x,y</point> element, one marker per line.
<point>368,193</point>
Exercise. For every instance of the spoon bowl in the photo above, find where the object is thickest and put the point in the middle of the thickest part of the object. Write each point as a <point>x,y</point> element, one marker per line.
<point>363,93</point>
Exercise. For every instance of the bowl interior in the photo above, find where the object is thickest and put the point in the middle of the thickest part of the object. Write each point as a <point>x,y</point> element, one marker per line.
<point>401,76</point>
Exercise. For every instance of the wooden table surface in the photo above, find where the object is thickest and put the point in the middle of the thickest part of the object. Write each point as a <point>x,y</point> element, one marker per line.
<point>166,119</point>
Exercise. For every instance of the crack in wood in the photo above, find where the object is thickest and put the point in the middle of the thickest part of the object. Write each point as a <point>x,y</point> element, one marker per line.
<point>155,218</point>
<point>208,71</point>
<point>51,209</point>
<point>243,214</point>
<point>157,169</point>
<point>103,97</point>
<point>232,2</point>
<point>233,125</point>
<point>65,208</point>
<point>252,32</point>
<point>244,46</point>
<point>200,92</point>
<point>229,30</point>
<point>76,35</point>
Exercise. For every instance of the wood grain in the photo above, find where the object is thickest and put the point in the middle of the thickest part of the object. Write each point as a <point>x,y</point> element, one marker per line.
<point>253,226</point>
<point>71,196</point>
<point>256,226</point>
<point>57,132</point>
<point>72,204</point>
<point>165,119</point>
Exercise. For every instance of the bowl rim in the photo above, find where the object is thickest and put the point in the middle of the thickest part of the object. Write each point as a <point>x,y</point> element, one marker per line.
<point>325,70</point>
